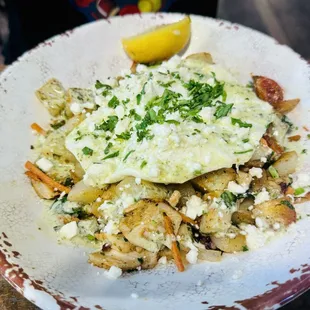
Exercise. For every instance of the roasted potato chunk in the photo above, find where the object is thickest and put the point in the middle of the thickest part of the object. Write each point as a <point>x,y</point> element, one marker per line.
<point>52,95</point>
<point>233,241</point>
<point>144,225</point>
<point>215,180</point>
<point>286,164</point>
<point>117,242</point>
<point>125,261</point>
<point>186,190</point>
<point>83,193</point>
<point>244,178</point>
<point>202,57</point>
<point>240,217</point>
<point>276,211</point>
<point>286,106</point>
<point>267,89</point>
<point>215,221</point>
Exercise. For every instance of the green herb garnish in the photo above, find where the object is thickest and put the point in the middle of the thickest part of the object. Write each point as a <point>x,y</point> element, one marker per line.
<point>245,248</point>
<point>243,152</point>
<point>58,125</point>
<point>87,151</point>
<point>143,164</point>
<point>108,125</point>
<point>223,110</point>
<point>172,121</point>
<point>168,84</point>
<point>140,260</point>
<point>229,198</point>
<point>245,140</point>
<point>90,237</point>
<point>115,154</point>
<point>113,103</point>
<point>288,204</point>
<point>299,191</point>
<point>273,172</point>
<point>124,135</point>
<point>241,124</point>
<point>127,155</point>
<point>108,147</point>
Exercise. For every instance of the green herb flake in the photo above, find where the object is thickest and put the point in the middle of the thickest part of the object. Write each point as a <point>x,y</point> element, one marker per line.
<point>108,147</point>
<point>109,124</point>
<point>168,84</point>
<point>250,85</point>
<point>112,155</point>
<point>245,140</point>
<point>299,191</point>
<point>90,237</point>
<point>87,151</point>
<point>143,164</point>
<point>124,135</point>
<point>58,125</point>
<point>288,204</point>
<point>223,110</point>
<point>140,260</point>
<point>200,75</point>
<point>245,248</point>
<point>304,151</point>
<point>273,172</point>
<point>243,152</point>
<point>308,136</point>
<point>229,198</point>
<point>98,84</point>
<point>127,155</point>
<point>125,101</point>
<point>172,121</point>
<point>113,103</point>
<point>241,124</point>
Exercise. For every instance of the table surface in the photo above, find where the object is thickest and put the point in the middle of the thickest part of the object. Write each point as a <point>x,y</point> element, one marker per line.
<point>285,20</point>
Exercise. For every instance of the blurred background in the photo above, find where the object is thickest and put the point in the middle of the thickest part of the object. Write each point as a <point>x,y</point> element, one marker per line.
<point>25,23</point>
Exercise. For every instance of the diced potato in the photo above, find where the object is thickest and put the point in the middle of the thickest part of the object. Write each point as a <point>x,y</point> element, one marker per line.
<point>246,203</point>
<point>52,95</point>
<point>273,144</point>
<point>261,151</point>
<point>286,106</point>
<point>73,122</point>
<point>209,255</point>
<point>83,193</point>
<point>278,129</point>
<point>125,261</point>
<point>286,164</point>
<point>42,190</point>
<point>243,178</point>
<point>227,243</point>
<point>186,236</point>
<point>174,198</point>
<point>144,225</point>
<point>186,189</point>
<point>240,217</point>
<point>258,183</point>
<point>267,89</point>
<point>215,180</point>
<point>118,242</point>
<point>144,190</point>
<point>83,96</point>
<point>276,211</point>
<point>202,57</point>
<point>215,221</point>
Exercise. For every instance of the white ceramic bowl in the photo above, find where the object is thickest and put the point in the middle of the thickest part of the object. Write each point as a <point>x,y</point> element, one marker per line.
<point>56,276</point>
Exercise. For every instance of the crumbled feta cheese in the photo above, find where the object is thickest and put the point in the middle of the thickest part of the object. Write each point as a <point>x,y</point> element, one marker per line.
<point>276,226</point>
<point>69,230</point>
<point>261,197</point>
<point>154,171</point>
<point>231,235</point>
<point>250,208</point>
<point>263,159</point>
<point>237,188</point>
<point>99,199</point>
<point>113,273</point>
<point>134,295</point>
<point>69,206</point>
<point>255,238</point>
<point>44,164</point>
<point>259,222</point>
<point>301,180</point>
<point>120,112</point>
<point>195,207</point>
<point>138,181</point>
<point>162,260</point>
<point>111,227</point>
<point>237,274</point>
<point>192,256</point>
<point>199,283</point>
<point>75,108</point>
<point>256,172</point>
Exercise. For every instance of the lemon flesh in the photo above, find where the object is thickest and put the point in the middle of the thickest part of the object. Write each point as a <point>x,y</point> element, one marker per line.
<point>158,44</point>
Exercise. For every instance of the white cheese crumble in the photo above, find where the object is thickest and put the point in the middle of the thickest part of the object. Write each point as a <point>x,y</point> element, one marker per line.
<point>113,273</point>
<point>134,295</point>
<point>69,230</point>
<point>44,164</point>
<point>256,172</point>
<point>195,207</point>
<point>301,180</point>
<point>263,159</point>
<point>255,238</point>
<point>276,226</point>
<point>237,188</point>
<point>261,197</point>
<point>162,260</point>
<point>192,255</point>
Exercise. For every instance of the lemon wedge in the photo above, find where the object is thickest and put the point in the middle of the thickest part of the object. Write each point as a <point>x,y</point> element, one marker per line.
<point>160,43</point>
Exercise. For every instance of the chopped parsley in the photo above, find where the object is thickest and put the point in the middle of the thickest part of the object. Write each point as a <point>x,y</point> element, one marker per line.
<point>200,75</point>
<point>245,248</point>
<point>172,121</point>
<point>243,152</point>
<point>124,135</point>
<point>98,84</point>
<point>87,151</point>
<point>288,204</point>
<point>287,121</point>
<point>113,103</point>
<point>143,164</point>
<point>125,101</point>
<point>139,96</point>
<point>135,115</point>
<point>90,237</point>
<point>112,155</point>
<point>168,84</point>
<point>222,110</point>
<point>245,140</point>
<point>127,155</point>
<point>58,125</point>
<point>304,151</point>
<point>106,88</point>
<point>108,147</point>
<point>229,198</point>
<point>241,124</point>
<point>108,125</point>
<point>250,85</point>
<point>140,260</point>
<point>176,75</point>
